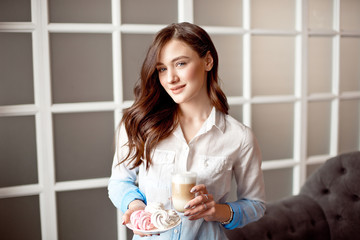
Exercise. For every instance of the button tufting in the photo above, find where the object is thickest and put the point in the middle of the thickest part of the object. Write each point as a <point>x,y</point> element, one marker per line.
<point>355,197</point>
<point>325,191</point>
<point>343,170</point>
<point>269,236</point>
<point>312,222</point>
<point>338,217</point>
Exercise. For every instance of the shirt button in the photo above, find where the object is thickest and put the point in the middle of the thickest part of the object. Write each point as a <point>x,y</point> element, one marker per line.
<point>175,231</point>
<point>206,163</point>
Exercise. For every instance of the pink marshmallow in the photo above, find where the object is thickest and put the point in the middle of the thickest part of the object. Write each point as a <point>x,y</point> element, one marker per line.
<point>141,220</point>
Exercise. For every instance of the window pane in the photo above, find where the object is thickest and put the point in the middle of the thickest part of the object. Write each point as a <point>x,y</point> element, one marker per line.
<point>230,14</point>
<point>18,158</point>
<point>272,67</point>
<point>86,214</point>
<point>273,125</point>
<point>148,12</point>
<point>81,67</point>
<point>349,15</point>
<point>83,145</point>
<point>229,48</point>
<point>20,218</point>
<point>134,49</point>
<point>319,64</point>
<point>320,14</point>
<point>349,64</point>
<point>15,11</point>
<point>319,116</point>
<point>236,112</point>
<point>273,14</point>
<point>15,54</point>
<point>278,183</point>
<point>80,11</point>
<point>349,126</point>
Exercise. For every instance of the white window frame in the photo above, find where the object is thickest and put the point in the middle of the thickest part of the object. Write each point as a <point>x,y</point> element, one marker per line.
<point>43,109</point>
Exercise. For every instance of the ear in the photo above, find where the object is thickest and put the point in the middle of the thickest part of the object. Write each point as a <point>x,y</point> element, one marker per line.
<point>209,61</point>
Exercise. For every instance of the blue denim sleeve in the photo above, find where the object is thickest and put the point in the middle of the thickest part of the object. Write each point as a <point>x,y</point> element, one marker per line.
<point>122,193</point>
<point>245,211</point>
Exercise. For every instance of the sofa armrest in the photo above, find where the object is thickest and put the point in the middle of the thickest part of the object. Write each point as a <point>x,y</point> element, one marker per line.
<point>296,217</point>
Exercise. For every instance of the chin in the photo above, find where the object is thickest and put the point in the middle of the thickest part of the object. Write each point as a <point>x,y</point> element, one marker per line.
<point>177,101</point>
<point>179,98</point>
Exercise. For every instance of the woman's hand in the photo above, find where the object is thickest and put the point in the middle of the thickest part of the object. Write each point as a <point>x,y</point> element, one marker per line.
<point>204,206</point>
<point>134,206</point>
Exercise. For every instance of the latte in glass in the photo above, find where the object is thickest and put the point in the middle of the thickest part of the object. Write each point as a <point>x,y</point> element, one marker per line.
<point>181,184</point>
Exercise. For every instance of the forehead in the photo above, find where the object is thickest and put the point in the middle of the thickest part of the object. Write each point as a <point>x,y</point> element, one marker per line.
<point>173,49</point>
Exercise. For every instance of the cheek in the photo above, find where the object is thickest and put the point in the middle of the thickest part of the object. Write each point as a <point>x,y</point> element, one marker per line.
<point>196,76</point>
<point>192,74</point>
<point>162,82</point>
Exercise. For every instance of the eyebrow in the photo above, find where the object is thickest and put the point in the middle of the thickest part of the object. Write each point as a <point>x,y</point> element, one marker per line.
<point>173,60</point>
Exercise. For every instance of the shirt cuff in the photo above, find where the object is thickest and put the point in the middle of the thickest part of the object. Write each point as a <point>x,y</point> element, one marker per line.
<point>245,211</point>
<point>131,196</point>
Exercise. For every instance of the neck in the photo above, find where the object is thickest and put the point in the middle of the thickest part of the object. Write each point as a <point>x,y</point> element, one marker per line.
<point>195,111</point>
<point>192,117</point>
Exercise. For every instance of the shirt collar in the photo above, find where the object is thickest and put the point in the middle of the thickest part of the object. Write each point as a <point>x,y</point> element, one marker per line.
<point>216,118</point>
<point>219,119</point>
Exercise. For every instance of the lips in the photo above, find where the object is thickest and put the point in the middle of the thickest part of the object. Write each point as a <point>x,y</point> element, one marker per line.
<point>177,89</point>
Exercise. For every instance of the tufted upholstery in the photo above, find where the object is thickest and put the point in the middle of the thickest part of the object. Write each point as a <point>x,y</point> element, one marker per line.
<point>336,188</point>
<point>328,207</point>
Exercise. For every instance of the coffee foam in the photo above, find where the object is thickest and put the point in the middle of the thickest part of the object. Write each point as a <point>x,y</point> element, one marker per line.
<point>184,178</point>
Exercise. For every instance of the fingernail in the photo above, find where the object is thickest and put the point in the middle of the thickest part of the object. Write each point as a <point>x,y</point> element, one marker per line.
<point>186,214</point>
<point>193,190</point>
<point>123,222</point>
<point>187,206</point>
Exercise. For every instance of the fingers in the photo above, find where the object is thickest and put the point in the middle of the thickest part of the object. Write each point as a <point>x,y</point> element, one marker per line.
<point>201,188</point>
<point>200,206</point>
<point>144,235</point>
<point>133,206</point>
<point>126,216</point>
<point>141,234</point>
<point>202,211</point>
<point>207,197</point>
<point>200,191</point>
<point>202,198</point>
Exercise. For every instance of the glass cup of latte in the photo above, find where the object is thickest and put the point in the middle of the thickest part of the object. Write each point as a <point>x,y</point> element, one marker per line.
<point>181,184</point>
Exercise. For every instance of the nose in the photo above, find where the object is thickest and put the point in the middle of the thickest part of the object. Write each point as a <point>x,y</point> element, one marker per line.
<point>172,76</point>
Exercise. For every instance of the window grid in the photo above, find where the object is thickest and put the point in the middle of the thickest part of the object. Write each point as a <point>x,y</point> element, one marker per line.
<point>43,107</point>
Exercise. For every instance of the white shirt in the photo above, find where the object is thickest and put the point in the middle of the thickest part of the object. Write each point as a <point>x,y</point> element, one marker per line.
<point>223,147</point>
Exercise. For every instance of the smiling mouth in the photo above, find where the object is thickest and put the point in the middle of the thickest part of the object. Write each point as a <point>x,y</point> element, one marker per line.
<point>177,88</point>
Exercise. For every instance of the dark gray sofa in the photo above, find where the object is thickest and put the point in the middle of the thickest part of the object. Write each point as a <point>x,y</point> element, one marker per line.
<point>328,207</point>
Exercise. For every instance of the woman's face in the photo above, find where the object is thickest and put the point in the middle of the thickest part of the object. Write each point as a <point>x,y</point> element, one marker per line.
<point>182,72</point>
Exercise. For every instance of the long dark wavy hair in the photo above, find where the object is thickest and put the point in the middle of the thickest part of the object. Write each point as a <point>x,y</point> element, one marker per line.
<point>153,116</point>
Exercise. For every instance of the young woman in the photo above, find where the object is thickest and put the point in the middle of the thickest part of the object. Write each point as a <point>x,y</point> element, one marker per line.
<point>180,121</point>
